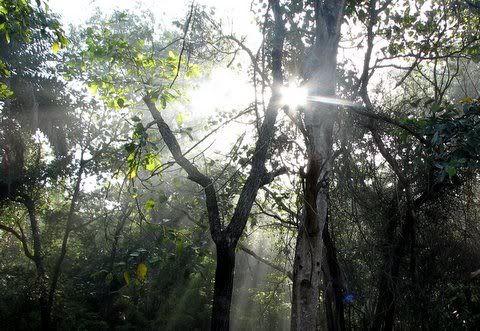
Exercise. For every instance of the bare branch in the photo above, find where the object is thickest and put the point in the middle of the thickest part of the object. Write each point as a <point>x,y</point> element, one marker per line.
<point>184,42</point>
<point>252,57</point>
<point>265,261</point>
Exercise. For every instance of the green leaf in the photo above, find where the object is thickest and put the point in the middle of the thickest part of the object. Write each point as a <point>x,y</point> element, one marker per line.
<point>126,276</point>
<point>152,162</point>
<point>436,108</point>
<point>56,47</point>
<point>5,91</point>
<point>163,102</point>
<point>142,271</point>
<point>121,102</point>
<point>132,172</point>
<point>93,88</point>
<point>150,204</point>
<point>139,131</point>
<point>179,245</point>
<point>193,71</point>
<point>63,40</point>
<point>180,118</point>
<point>451,171</point>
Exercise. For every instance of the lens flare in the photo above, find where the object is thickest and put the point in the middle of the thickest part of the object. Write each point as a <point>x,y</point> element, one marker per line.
<point>333,101</point>
<point>294,96</point>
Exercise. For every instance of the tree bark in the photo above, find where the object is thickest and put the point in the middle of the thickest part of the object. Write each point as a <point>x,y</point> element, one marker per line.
<point>222,295</point>
<point>319,120</point>
<point>334,285</point>
<point>42,286</point>
<point>226,238</point>
<point>306,281</point>
<point>394,252</point>
<point>68,229</point>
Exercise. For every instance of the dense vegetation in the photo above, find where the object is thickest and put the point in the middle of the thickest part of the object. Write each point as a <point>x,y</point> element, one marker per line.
<point>341,192</point>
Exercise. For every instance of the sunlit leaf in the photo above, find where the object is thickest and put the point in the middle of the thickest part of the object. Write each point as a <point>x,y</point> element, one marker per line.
<point>126,277</point>
<point>141,271</point>
<point>5,91</point>
<point>193,71</point>
<point>180,118</point>
<point>132,173</point>
<point>467,100</point>
<point>93,88</point>
<point>152,162</point>
<point>56,47</point>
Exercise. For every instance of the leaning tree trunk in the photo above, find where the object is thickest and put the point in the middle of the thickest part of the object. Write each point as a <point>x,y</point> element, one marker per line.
<point>222,295</point>
<point>42,286</point>
<point>63,251</point>
<point>319,121</point>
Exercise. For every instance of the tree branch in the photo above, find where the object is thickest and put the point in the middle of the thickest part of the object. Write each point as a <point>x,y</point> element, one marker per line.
<point>265,261</point>
<point>252,57</point>
<point>20,237</point>
<point>266,134</point>
<point>368,112</point>
<point>184,42</point>
<point>270,176</point>
<point>193,173</point>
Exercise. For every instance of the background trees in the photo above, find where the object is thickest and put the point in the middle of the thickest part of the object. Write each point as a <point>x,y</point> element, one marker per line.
<point>115,193</point>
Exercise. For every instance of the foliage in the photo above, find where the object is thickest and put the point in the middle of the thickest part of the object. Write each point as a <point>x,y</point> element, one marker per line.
<point>138,254</point>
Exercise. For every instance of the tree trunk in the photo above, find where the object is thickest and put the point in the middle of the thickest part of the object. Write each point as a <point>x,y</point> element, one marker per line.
<point>227,238</point>
<point>306,281</point>
<point>42,286</point>
<point>222,295</point>
<point>334,285</point>
<point>57,271</point>
<point>320,74</point>
<point>395,251</point>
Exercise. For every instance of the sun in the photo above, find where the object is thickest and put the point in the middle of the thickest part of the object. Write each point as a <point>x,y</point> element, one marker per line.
<point>294,96</point>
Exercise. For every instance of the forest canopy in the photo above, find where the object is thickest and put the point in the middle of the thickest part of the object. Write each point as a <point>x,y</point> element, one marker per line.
<point>245,165</point>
